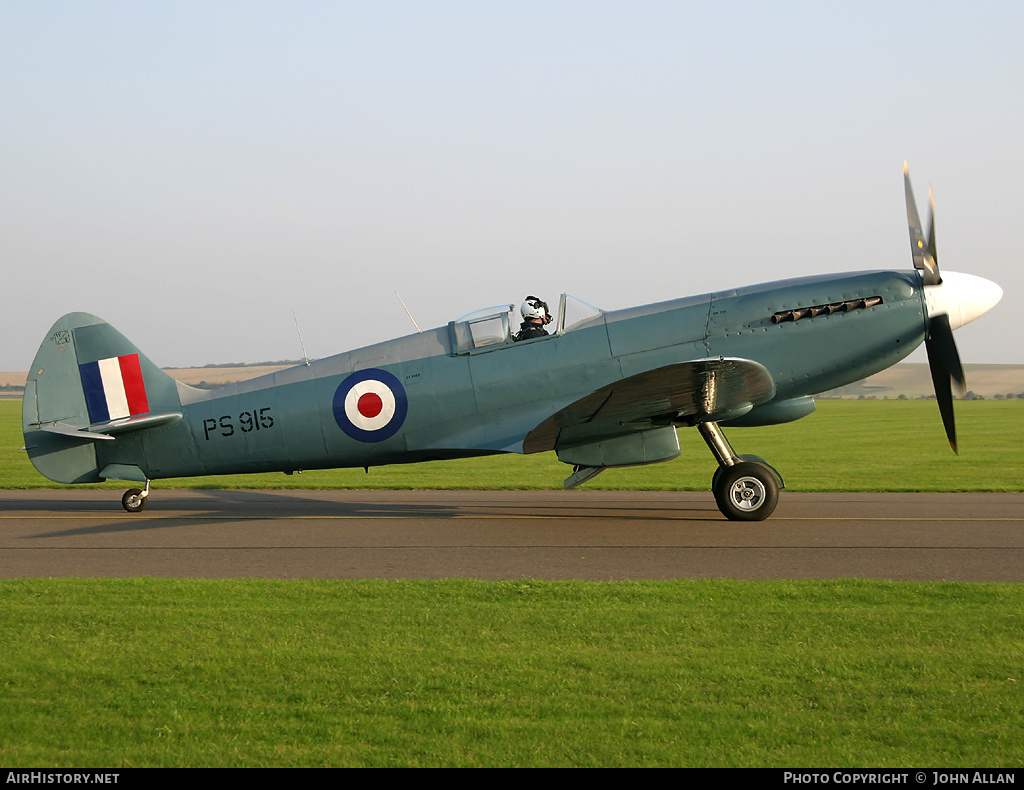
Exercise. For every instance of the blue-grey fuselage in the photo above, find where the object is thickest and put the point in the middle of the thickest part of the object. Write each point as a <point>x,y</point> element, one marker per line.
<point>489,400</point>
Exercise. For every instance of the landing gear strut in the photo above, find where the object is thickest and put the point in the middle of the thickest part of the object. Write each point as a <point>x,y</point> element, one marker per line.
<point>746,487</point>
<point>134,499</point>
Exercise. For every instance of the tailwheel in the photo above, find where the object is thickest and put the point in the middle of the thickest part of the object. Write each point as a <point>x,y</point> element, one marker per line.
<point>746,491</point>
<point>135,499</point>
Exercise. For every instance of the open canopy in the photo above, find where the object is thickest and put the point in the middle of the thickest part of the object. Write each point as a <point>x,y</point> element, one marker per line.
<point>493,327</point>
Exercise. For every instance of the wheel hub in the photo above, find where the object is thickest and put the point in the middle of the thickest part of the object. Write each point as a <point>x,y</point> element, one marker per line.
<point>748,493</point>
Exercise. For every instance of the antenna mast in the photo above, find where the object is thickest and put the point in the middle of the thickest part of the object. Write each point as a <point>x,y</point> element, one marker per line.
<point>305,359</point>
<point>400,299</point>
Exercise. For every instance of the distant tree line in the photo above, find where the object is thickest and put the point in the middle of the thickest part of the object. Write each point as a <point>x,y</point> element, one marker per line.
<point>971,395</point>
<point>273,363</point>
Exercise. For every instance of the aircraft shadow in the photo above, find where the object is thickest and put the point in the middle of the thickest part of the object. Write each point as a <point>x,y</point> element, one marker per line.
<point>220,505</point>
<point>201,506</point>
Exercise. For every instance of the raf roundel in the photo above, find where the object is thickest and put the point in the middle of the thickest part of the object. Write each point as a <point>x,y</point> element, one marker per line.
<point>370,406</point>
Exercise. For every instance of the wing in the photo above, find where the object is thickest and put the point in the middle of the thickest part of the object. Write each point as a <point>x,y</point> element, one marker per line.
<point>700,390</point>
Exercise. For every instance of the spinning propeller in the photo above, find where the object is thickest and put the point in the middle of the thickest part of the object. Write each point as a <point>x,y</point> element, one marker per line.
<point>952,301</point>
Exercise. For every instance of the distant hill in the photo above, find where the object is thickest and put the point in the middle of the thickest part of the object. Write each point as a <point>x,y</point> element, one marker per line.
<point>13,384</point>
<point>214,376</point>
<point>913,380</point>
<point>907,380</point>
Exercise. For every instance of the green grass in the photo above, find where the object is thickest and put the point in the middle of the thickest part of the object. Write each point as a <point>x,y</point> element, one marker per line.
<point>894,445</point>
<point>159,672</point>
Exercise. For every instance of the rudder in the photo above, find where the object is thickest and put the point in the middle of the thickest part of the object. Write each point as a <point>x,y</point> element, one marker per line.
<point>87,385</point>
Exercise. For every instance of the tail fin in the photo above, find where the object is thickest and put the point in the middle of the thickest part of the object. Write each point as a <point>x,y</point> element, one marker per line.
<point>87,386</point>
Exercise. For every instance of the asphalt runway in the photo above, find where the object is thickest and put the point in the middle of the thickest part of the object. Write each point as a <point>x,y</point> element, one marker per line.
<point>596,535</point>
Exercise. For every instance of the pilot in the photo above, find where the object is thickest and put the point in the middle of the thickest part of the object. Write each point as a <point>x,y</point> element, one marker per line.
<point>535,316</point>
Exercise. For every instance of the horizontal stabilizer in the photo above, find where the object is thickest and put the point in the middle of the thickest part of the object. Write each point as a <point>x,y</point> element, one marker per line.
<point>113,428</point>
<point>63,429</point>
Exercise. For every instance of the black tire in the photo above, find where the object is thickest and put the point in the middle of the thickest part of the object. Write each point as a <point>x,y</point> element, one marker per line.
<point>746,492</point>
<point>133,501</point>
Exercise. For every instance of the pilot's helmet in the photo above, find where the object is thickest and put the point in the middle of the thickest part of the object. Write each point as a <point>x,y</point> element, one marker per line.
<point>535,308</point>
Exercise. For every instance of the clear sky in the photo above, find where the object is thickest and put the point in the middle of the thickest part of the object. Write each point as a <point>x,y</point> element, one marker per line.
<point>194,172</point>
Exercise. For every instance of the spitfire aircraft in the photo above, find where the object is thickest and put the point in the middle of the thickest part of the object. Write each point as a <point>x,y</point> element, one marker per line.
<point>600,389</point>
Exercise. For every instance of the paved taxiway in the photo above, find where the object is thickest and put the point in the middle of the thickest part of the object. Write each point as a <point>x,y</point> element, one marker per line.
<point>509,534</point>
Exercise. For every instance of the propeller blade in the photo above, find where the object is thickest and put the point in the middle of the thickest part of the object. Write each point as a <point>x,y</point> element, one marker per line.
<point>921,248</point>
<point>932,252</point>
<point>946,370</point>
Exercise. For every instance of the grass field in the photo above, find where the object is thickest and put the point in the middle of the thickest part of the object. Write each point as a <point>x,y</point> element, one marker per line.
<point>846,445</point>
<point>163,672</point>
<point>847,673</point>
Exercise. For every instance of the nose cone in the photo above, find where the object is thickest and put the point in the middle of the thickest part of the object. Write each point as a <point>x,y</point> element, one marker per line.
<point>963,297</point>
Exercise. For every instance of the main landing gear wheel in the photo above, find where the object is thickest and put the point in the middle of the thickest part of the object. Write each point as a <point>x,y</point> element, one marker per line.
<point>746,492</point>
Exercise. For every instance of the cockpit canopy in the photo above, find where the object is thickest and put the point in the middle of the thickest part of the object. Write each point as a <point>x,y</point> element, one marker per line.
<point>494,327</point>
